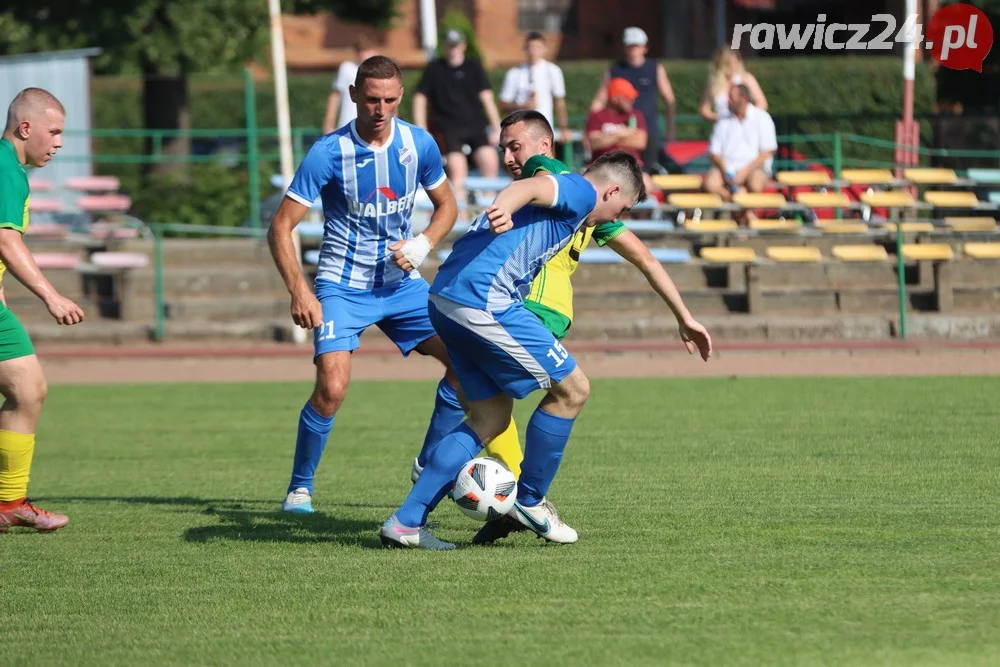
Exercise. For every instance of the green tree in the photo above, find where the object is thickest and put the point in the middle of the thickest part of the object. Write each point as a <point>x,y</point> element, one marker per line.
<point>164,40</point>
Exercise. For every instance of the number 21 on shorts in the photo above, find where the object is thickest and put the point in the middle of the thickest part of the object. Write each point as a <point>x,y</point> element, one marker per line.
<point>326,331</point>
<point>558,353</point>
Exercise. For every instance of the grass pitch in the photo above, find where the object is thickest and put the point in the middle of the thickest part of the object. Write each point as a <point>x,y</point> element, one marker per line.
<point>722,522</point>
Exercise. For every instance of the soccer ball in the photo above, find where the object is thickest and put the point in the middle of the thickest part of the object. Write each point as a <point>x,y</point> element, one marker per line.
<point>485,489</point>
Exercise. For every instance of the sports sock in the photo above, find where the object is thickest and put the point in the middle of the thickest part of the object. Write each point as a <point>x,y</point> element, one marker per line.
<point>447,415</point>
<point>506,447</point>
<point>545,441</point>
<point>445,460</point>
<point>314,429</point>
<point>16,450</point>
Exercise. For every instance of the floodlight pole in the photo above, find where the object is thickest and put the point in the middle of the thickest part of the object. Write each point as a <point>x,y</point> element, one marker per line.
<point>284,123</point>
<point>907,142</point>
<point>428,27</point>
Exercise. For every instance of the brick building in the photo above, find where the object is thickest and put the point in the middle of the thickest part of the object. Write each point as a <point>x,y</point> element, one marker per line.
<point>576,29</point>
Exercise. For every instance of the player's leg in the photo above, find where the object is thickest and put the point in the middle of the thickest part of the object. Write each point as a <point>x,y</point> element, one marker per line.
<point>406,323</point>
<point>346,313</point>
<point>24,389</point>
<point>715,184</point>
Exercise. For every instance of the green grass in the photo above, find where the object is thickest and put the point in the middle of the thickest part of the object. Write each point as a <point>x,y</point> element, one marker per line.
<point>722,522</point>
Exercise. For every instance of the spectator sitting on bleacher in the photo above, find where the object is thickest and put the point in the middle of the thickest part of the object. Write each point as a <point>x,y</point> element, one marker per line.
<point>741,148</point>
<point>619,126</point>
<point>727,71</point>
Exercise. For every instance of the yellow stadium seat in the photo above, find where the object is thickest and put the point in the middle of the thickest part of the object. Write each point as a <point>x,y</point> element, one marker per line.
<point>769,225</point>
<point>951,199</point>
<point>867,176</point>
<point>890,199</point>
<point>927,251</point>
<point>710,226</point>
<point>911,227</point>
<point>823,199</point>
<point>834,227</point>
<point>860,253</point>
<point>720,255</point>
<point>929,176</point>
<point>803,178</point>
<point>759,200</point>
<point>982,250</point>
<point>678,181</point>
<point>691,200</point>
<point>794,253</point>
<point>982,224</point>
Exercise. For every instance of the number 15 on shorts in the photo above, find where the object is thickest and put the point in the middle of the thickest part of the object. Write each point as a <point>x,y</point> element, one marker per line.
<point>558,353</point>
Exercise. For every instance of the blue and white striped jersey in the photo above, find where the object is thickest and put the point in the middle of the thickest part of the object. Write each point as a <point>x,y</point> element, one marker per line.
<point>367,194</point>
<point>492,272</point>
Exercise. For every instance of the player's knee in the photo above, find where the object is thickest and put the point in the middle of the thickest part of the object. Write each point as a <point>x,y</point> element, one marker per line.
<point>31,392</point>
<point>573,391</point>
<point>329,394</point>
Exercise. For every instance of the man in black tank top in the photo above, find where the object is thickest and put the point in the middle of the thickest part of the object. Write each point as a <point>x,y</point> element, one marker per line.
<point>650,79</point>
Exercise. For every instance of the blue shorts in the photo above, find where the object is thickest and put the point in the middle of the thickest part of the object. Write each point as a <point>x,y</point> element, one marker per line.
<point>510,352</point>
<point>399,310</point>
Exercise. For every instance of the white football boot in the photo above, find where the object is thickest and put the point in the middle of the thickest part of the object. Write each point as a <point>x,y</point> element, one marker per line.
<point>298,501</point>
<point>543,520</point>
<point>397,536</point>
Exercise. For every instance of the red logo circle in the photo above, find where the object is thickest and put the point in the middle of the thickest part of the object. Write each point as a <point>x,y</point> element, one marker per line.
<point>959,36</point>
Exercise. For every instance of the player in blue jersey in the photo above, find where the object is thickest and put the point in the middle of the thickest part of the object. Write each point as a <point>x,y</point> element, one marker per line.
<point>500,351</point>
<point>367,174</point>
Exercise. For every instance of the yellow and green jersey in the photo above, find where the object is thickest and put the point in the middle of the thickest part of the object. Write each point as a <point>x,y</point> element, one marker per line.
<point>14,193</point>
<point>551,295</point>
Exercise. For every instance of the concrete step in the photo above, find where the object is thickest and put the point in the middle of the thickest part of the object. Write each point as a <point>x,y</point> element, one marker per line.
<point>603,305</point>
<point>207,281</point>
<point>193,253</point>
<point>212,308</point>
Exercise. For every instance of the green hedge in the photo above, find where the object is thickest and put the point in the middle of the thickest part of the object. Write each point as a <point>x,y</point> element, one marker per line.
<point>866,89</point>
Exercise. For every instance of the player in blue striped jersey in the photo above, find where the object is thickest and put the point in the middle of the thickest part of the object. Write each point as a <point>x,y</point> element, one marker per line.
<point>367,174</point>
<point>500,351</point>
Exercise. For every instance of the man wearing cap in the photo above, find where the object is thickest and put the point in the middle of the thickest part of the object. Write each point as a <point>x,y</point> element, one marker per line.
<point>458,92</point>
<point>619,125</point>
<point>649,78</point>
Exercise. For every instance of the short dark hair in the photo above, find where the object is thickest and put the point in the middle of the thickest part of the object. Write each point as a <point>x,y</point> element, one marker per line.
<point>744,91</point>
<point>534,36</point>
<point>622,168</point>
<point>377,67</point>
<point>534,120</point>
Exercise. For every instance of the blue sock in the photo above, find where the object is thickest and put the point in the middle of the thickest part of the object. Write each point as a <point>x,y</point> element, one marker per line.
<point>447,415</point>
<point>314,429</point>
<point>445,460</point>
<point>544,443</point>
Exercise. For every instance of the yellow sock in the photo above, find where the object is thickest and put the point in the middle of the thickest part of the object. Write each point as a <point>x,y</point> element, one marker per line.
<point>15,464</point>
<point>507,448</point>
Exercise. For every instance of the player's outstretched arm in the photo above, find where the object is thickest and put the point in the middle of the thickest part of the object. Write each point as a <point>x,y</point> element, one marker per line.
<point>411,253</point>
<point>19,262</point>
<point>537,191</point>
<point>306,310</point>
<point>694,335</point>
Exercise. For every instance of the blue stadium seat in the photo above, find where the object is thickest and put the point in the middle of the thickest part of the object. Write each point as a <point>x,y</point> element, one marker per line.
<point>310,230</point>
<point>483,183</point>
<point>608,256</point>
<point>650,225</point>
<point>991,176</point>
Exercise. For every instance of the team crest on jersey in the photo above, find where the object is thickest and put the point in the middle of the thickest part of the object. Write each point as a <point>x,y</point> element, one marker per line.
<point>404,156</point>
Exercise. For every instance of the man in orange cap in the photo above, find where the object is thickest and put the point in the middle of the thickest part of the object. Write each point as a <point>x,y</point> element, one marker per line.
<point>618,126</point>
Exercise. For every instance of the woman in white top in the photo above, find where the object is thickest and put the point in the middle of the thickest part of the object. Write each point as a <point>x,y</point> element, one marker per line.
<point>727,71</point>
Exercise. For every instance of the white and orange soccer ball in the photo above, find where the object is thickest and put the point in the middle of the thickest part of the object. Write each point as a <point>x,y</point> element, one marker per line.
<point>485,489</point>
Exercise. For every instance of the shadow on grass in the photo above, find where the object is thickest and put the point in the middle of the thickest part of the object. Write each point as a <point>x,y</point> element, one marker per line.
<point>254,521</point>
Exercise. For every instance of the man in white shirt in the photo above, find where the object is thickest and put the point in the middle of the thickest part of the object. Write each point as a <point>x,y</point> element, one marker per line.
<point>340,95</point>
<point>741,147</point>
<point>537,84</point>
